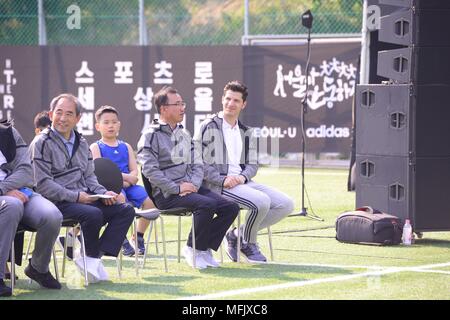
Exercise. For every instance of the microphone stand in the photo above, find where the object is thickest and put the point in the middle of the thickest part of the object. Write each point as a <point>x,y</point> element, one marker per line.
<point>304,211</point>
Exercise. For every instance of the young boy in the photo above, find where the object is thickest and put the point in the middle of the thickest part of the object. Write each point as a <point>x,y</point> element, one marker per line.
<point>41,122</point>
<point>109,146</point>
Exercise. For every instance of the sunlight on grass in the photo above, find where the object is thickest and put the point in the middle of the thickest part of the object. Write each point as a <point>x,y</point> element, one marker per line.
<point>305,250</point>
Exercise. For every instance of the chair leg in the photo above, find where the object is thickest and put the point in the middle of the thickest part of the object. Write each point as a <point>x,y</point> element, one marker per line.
<point>269,234</point>
<point>163,243</point>
<point>239,238</point>
<point>193,242</point>
<point>65,251</point>
<point>156,236</point>
<point>13,267</point>
<point>29,246</point>
<point>55,263</point>
<point>83,250</point>
<point>119,265</point>
<point>136,249</point>
<point>147,244</point>
<point>179,238</point>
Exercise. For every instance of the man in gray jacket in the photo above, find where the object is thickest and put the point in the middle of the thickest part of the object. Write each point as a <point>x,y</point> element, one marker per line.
<point>175,173</point>
<point>64,173</point>
<point>231,161</point>
<point>19,204</point>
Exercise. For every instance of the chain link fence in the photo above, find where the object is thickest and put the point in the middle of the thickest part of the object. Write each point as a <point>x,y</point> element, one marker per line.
<point>169,22</point>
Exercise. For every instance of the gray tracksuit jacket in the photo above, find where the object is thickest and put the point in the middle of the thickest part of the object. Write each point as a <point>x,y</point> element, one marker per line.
<point>215,157</point>
<point>18,167</point>
<point>58,175</point>
<point>168,157</point>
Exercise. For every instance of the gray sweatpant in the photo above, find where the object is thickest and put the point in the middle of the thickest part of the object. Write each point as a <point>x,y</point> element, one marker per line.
<point>266,206</point>
<point>38,213</point>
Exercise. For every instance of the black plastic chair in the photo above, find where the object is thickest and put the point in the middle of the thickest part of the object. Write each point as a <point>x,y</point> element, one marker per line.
<point>176,212</point>
<point>109,175</point>
<point>22,228</point>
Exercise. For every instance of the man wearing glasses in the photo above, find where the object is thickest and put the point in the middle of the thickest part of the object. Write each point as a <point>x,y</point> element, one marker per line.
<point>231,162</point>
<point>175,170</point>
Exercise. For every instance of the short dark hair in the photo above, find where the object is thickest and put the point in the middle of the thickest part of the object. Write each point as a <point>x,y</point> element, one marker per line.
<point>105,109</point>
<point>161,98</point>
<point>67,96</point>
<point>236,86</point>
<point>42,120</point>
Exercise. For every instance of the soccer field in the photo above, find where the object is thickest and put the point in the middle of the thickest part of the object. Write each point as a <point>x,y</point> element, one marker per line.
<point>308,262</point>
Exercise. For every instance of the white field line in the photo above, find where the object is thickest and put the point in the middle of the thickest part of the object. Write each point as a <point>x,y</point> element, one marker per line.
<point>337,266</point>
<point>297,284</point>
<point>272,171</point>
<point>431,271</point>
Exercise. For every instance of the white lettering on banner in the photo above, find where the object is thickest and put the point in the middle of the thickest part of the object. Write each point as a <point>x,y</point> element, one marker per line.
<point>203,96</point>
<point>203,99</point>
<point>328,132</point>
<point>275,132</point>
<point>84,75</point>
<point>335,82</point>
<point>6,88</point>
<point>143,101</point>
<point>203,72</point>
<point>86,95</point>
<point>86,124</point>
<point>123,73</point>
<point>163,75</point>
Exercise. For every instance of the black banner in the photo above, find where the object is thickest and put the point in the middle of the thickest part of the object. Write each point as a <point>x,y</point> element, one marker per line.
<point>127,78</point>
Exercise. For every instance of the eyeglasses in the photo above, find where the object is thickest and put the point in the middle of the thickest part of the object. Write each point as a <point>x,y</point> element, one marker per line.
<point>178,104</point>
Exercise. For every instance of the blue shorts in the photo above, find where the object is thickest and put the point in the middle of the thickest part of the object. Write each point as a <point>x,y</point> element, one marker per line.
<point>136,195</point>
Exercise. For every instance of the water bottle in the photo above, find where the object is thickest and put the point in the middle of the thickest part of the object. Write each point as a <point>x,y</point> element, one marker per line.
<point>407,233</point>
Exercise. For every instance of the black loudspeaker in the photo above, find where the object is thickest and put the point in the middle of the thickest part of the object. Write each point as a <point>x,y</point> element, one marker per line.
<point>403,120</point>
<point>402,152</point>
<point>425,27</point>
<point>421,65</point>
<point>408,187</point>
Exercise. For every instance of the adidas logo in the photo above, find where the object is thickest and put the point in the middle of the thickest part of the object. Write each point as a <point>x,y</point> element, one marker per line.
<point>328,132</point>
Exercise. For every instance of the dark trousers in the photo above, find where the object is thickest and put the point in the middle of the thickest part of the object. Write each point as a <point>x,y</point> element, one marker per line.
<point>213,215</point>
<point>92,217</point>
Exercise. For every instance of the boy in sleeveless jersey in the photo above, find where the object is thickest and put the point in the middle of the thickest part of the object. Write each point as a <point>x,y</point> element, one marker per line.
<point>122,154</point>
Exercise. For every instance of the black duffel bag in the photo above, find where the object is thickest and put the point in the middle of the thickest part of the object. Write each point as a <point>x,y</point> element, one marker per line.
<point>368,226</point>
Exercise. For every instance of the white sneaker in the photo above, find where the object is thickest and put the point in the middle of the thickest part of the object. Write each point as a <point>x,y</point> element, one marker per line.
<point>209,259</point>
<point>188,254</point>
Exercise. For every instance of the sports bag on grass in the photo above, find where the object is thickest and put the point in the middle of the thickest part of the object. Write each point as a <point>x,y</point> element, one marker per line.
<point>368,226</point>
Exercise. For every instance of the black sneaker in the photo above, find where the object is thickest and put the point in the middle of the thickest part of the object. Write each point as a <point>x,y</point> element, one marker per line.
<point>252,252</point>
<point>141,245</point>
<point>5,291</point>
<point>61,242</point>
<point>232,251</point>
<point>46,279</point>
<point>127,249</point>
